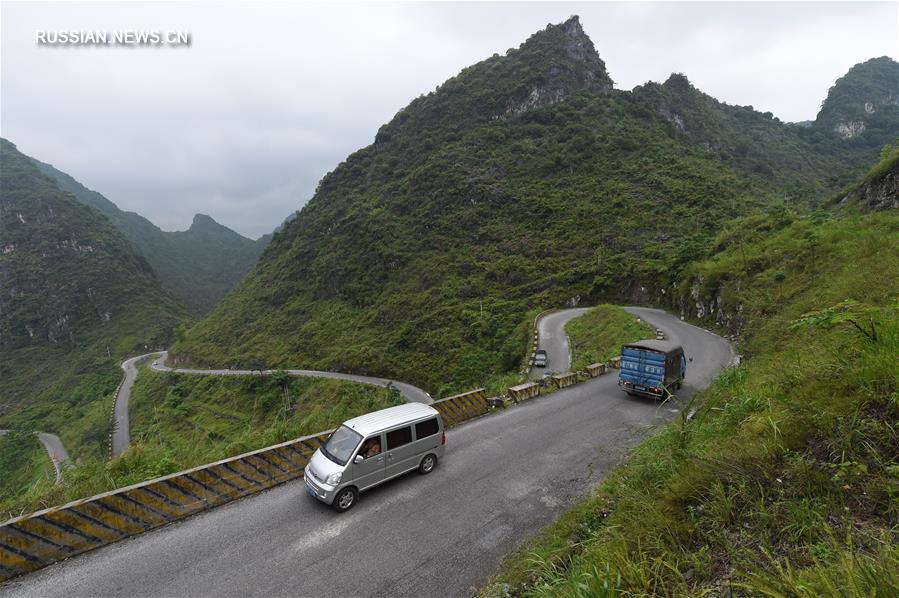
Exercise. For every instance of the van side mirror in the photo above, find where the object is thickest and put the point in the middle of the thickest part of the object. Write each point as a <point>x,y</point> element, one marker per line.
<point>358,459</point>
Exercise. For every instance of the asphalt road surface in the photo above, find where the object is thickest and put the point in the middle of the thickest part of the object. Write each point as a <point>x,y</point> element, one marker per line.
<point>552,338</point>
<point>121,428</point>
<point>57,453</point>
<point>504,476</point>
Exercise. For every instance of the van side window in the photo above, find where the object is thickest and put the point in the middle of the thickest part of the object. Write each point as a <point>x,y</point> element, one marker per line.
<point>399,437</point>
<point>371,447</point>
<point>426,428</point>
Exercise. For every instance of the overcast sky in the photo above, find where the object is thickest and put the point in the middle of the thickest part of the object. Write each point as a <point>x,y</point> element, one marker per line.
<point>269,97</point>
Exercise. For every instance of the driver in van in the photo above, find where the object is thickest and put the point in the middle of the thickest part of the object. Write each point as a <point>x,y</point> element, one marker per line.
<point>371,448</point>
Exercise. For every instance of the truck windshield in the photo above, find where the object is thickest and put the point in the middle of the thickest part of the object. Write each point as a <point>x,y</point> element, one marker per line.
<point>341,445</point>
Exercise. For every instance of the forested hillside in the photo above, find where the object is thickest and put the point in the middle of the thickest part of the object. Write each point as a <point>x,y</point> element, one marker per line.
<point>525,182</point>
<point>198,266</point>
<point>76,297</point>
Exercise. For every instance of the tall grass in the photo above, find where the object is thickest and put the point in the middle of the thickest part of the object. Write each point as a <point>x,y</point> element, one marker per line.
<point>786,482</point>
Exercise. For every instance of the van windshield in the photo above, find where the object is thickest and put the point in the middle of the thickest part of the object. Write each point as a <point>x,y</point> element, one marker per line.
<point>341,445</point>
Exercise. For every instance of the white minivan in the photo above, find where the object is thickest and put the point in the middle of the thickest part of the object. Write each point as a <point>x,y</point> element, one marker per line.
<point>373,448</point>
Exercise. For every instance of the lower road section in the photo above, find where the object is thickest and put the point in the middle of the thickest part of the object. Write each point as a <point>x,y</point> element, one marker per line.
<point>504,476</point>
<point>58,454</point>
<point>121,432</point>
<point>551,337</point>
<point>121,428</point>
<point>56,451</point>
<point>411,393</point>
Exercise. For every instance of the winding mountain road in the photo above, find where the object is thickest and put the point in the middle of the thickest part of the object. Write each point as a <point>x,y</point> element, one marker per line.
<point>412,394</point>
<point>56,451</point>
<point>552,338</point>
<point>121,426</point>
<point>121,435</point>
<point>504,476</point>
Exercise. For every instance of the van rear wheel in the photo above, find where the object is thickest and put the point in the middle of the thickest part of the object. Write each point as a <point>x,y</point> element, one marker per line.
<point>427,464</point>
<point>345,499</point>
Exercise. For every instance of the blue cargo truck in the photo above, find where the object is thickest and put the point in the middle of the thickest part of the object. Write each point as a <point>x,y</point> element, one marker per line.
<point>650,367</point>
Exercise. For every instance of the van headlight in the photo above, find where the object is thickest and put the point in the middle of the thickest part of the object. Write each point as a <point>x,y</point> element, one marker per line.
<point>334,478</point>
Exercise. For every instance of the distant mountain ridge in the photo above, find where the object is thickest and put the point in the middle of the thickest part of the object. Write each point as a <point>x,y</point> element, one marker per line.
<point>74,290</point>
<point>199,266</point>
<point>525,182</point>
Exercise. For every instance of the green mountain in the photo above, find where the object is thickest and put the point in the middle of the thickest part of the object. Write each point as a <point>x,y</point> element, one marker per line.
<point>199,266</point>
<point>525,182</point>
<point>76,298</point>
<point>864,101</point>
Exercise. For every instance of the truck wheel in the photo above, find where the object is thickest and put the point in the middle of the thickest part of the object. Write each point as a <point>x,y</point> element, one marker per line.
<point>345,499</point>
<point>427,464</point>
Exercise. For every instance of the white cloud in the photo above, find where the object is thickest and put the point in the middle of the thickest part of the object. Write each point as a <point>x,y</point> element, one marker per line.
<point>242,124</point>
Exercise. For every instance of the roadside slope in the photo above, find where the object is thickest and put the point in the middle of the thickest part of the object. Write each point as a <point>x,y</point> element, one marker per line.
<point>784,482</point>
<point>121,435</point>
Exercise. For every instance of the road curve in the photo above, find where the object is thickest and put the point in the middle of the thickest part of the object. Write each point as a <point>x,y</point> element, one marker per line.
<point>411,393</point>
<point>552,338</point>
<point>504,476</point>
<point>121,426</point>
<point>121,434</point>
<point>56,451</point>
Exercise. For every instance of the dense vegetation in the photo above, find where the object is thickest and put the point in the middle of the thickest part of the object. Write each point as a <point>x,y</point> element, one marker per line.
<point>76,299</point>
<point>180,421</point>
<point>198,419</point>
<point>785,482</point>
<point>197,266</point>
<point>523,183</point>
<point>597,336</point>
<point>867,94</point>
<point>22,461</point>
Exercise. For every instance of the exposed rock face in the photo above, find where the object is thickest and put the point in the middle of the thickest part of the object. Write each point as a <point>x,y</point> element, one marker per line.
<point>583,69</point>
<point>64,270</point>
<point>862,98</point>
<point>878,194</point>
<point>850,129</point>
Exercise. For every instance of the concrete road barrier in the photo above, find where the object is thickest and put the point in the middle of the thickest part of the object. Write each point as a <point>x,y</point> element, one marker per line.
<point>524,391</point>
<point>34,541</point>
<point>615,362</point>
<point>462,407</point>
<point>565,380</point>
<point>597,369</point>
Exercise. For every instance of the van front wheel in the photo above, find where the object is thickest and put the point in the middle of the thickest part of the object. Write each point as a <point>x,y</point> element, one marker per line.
<point>427,464</point>
<point>345,499</point>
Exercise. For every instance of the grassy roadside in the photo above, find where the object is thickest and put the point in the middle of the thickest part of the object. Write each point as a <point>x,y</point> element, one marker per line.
<point>179,422</point>
<point>597,335</point>
<point>189,420</point>
<point>23,462</point>
<point>786,482</point>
